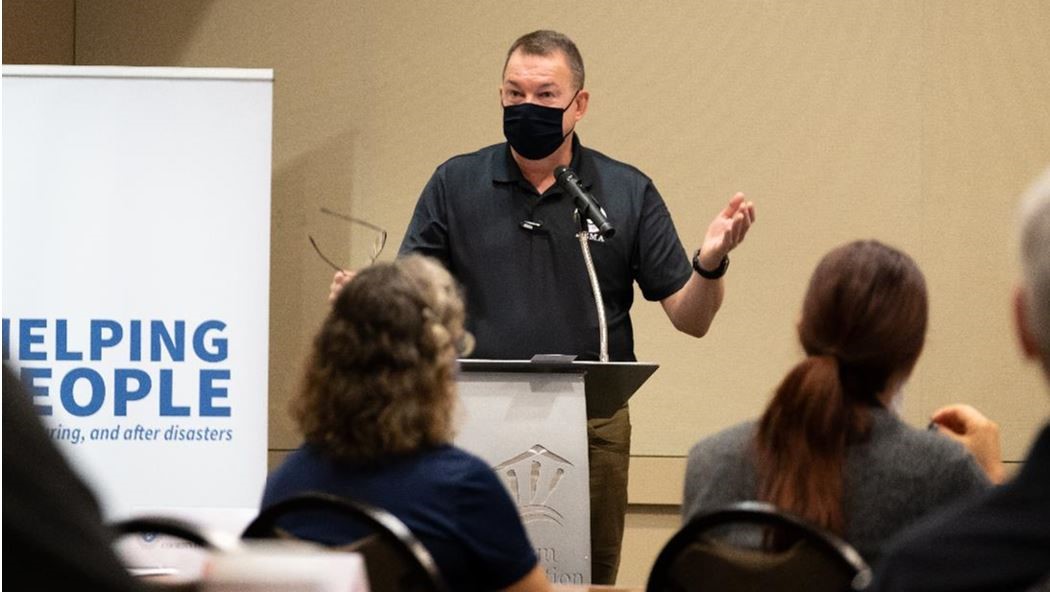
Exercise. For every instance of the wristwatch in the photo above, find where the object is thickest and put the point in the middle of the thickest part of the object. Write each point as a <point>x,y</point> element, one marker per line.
<point>710,275</point>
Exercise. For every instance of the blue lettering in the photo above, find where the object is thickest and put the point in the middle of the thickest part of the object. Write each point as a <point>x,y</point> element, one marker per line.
<point>167,408</point>
<point>61,349</point>
<point>7,339</point>
<point>209,392</point>
<point>26,339</point>
<point>122,394</point>
<point>136,341</point>
<point>176,346</point>
<point>29,376</point>
<point>219,344</point>
<point>98,392</point>
<point>98,341</point>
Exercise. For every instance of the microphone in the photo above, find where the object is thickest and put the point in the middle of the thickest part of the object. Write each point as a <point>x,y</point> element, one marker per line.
<point>570,183</point>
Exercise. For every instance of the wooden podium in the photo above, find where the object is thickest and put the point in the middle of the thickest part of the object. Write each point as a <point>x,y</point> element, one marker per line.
<point>528,420</point>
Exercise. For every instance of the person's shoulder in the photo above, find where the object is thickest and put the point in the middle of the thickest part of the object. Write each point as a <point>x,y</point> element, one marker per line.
<point>927,470</point>
<point>720,470</point>
<point>297,460</point>
<point>730,443</point>
<point>942,538</point>
<point>463,476</point>
<point>306,454</point>
<point>995,540</point>
<point>288,477</point>
<point>609,166</point>
<point>454,454</point>
<point>922,446</point>
<point>456,463</point>
<point>472,162</point>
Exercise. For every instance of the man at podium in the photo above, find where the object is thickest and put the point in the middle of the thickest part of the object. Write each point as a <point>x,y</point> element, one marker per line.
<point>503,226</point>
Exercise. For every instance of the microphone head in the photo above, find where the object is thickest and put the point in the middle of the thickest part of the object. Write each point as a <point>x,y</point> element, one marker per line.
<point>561,171</point>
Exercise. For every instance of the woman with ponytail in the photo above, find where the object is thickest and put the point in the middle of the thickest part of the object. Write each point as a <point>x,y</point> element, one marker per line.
<point>828,447</point>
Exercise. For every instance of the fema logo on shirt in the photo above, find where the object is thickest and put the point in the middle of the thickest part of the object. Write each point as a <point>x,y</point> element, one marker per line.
<point>592,232</point>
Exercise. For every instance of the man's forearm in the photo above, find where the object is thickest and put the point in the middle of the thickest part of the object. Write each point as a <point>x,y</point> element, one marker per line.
<point>693,307</point>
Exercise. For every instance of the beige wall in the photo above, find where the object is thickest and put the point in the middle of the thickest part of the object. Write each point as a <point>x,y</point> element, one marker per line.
<point>916,122</point>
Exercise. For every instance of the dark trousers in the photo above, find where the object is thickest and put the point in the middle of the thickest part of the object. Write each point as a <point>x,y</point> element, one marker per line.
<point>609,452</point>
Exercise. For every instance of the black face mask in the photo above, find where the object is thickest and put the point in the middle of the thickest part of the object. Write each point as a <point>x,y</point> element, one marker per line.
<point>534,131</point>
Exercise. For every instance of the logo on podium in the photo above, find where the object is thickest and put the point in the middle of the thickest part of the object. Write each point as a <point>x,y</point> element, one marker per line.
<point>532,477</point>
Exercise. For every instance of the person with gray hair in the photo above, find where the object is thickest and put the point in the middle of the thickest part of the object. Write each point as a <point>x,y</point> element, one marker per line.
<point>1001,540</point>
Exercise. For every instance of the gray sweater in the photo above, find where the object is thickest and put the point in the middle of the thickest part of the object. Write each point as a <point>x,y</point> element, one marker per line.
<point>892,480</point>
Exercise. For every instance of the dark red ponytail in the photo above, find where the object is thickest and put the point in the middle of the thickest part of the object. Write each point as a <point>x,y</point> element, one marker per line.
<point>863,323</point>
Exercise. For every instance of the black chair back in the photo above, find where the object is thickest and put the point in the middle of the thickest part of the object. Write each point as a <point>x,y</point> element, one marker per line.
<point>394,557</point>
<point>753,546</point>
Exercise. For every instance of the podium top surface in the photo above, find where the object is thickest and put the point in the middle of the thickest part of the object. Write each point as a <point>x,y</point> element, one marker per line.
<point>608,385</point>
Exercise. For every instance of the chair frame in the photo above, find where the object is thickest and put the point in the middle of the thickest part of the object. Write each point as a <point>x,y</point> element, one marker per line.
<point>760,513</point>
<point>386,524</point>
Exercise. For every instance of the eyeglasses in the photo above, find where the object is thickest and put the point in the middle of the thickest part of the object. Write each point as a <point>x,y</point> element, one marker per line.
<point>377,244</point>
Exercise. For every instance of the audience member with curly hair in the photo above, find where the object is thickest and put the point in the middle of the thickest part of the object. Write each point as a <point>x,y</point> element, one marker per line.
<point>376,412</point>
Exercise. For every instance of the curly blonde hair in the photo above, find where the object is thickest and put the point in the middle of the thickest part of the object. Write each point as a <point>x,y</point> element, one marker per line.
<point>380,380</point>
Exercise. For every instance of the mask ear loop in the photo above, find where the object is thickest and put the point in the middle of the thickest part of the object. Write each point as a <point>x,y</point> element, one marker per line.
<point>571,101</point>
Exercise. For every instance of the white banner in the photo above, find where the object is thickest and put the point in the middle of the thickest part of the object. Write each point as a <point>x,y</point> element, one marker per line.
<point>136,241</point>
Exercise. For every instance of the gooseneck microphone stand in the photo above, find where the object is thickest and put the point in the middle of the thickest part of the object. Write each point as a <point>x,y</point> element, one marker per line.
<point>585,247</point>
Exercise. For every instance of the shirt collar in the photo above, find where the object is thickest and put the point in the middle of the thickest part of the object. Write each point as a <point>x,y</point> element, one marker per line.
<point>505,169</point>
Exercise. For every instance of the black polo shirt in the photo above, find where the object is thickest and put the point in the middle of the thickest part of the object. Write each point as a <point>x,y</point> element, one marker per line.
<point>527,291</point>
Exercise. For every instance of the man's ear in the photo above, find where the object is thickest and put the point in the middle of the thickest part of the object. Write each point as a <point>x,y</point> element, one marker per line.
<point>582,100</point>
<point>1028,342</point>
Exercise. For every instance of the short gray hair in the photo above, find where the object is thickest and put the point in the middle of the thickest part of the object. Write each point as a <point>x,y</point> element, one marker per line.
<point>545,43</point>
<point>1035,260</point>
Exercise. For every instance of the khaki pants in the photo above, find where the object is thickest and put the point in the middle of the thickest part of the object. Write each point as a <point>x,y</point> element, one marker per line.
<point>609,452</point>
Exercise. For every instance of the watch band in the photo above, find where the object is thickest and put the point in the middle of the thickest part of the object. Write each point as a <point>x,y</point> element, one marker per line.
<point>713,274</point>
